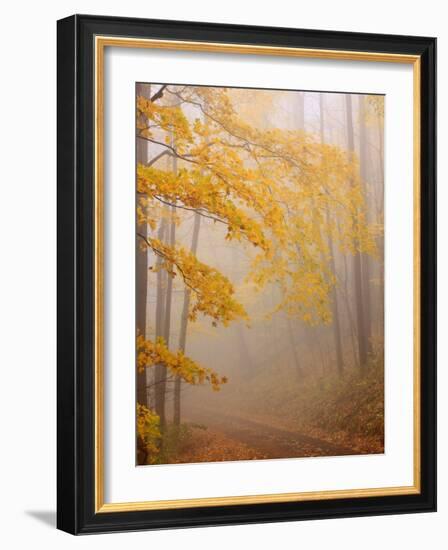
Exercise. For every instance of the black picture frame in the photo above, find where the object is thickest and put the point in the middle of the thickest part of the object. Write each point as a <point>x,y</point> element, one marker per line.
<point>76,272</point>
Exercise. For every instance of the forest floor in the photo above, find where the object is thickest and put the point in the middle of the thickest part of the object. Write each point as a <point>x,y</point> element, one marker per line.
<point>345,416</point>
<point>232,437</point>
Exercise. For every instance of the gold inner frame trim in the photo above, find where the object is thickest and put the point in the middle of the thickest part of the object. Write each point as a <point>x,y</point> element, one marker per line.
<point>101,42</point>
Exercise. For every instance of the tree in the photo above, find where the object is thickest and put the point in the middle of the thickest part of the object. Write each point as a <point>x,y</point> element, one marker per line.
<point>335,301</point>
<point>365,260</point>
<point>300,112</point>
<point>184,322</point>
<point>360,320</point>
<point>141,288</point>
<point>275,192</point>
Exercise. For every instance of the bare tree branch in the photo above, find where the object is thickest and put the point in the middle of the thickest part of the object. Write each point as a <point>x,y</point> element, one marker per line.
<point>158,94</point>
<point>199,211</point>
<point>162,255</point>
<point>158,157</point>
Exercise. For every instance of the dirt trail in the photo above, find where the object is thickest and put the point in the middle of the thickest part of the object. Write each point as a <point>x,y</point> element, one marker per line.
<point>270,441</point>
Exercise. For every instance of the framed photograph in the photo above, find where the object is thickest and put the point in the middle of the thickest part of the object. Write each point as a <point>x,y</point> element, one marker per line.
<point>246,274</point>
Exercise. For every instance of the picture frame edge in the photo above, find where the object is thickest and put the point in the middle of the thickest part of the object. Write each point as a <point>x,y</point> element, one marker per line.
<point>75,300</point>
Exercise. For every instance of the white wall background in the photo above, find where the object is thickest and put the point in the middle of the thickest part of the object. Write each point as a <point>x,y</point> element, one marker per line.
<point>27,274</point>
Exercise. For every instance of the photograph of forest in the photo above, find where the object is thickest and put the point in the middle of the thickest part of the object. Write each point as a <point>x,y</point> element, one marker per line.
<point>259,274</point>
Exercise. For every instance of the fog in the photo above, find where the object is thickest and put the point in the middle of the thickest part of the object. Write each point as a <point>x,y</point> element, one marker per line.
<point>273,359</point>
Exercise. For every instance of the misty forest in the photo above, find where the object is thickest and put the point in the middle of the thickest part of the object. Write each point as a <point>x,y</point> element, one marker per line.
<point>259,274</point>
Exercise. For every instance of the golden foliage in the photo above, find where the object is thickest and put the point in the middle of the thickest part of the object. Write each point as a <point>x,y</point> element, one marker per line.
<point>375,107</point>
<point>212,292</point>
<point>148,434</point>
<point>151,353</point>
<point>201,193</point>
<point>167,118</point>
<point>284,192</point>
<point>281,194</point>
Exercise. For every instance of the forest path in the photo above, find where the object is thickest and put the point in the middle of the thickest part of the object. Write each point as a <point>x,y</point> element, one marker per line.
<point>267,440</point>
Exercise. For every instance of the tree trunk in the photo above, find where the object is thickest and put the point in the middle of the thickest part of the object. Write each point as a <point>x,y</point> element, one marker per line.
<point>362,347</point>
<point>295,355</point>
<point>300,124</point>
<point>336,320</point>
<point>184,322</point>
<point>160,369</point>
<point>351,324</point>
<point>167,299</point>
<point>300,112</point>
<point>244,348</point>
<point>141,254</point>
<point>380,215</point>
<point>161,377</point>
<point>334,296</point>
<point>365,260</point>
